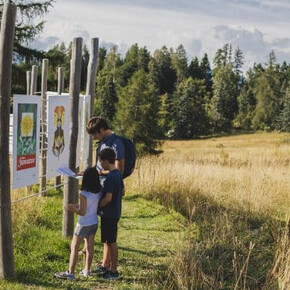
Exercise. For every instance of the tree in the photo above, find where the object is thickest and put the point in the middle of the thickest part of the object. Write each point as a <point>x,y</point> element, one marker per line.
<point>179,63</point>
<point>247,102</point>
<point>269,98</point>
<point>106,91</point>
<point>194,71</point>
<point>224,102</point>
<point>161,71</point>
<point>26,30</point>
<point>283,120</point>
<point>191,119</point>
<point>206,73</point>
<point>137,113</point>
<point>136,58</point>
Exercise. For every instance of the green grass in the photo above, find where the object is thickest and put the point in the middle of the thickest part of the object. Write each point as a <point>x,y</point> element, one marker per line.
<point>146,238</point>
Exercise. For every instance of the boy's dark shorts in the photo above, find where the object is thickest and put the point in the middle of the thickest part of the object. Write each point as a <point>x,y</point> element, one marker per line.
<point>109,228</point>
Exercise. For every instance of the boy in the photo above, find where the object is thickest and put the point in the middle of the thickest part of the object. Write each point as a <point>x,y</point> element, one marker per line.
<point>110,211</point>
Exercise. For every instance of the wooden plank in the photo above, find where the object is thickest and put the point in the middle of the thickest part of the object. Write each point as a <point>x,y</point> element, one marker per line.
<point>6,47</point>
<point>43,124</point>
<point>71,184</point>
<point>91,88</point>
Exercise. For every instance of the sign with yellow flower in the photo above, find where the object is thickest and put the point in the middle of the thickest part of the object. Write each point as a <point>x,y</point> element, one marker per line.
<point>26,120</point>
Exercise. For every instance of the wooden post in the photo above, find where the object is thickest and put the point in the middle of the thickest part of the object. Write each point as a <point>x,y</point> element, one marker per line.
<point>91,88</point>
<point>28,82</point>
<point>6,47</point>
<point>71,184</point>
<point>44,126</point>
<point>60,87</point>
<point>33,85</point>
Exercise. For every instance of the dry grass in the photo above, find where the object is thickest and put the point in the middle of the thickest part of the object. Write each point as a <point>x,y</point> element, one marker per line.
<point>236,192</point>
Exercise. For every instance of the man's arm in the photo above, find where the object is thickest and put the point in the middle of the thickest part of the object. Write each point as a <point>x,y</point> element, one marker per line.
<point>120,164</point>
<point>106,199</point>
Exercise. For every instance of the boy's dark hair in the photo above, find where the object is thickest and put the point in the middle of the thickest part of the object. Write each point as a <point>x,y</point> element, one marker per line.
<point>95,124</point>
<point>91,180</point>
<point>108,154</point>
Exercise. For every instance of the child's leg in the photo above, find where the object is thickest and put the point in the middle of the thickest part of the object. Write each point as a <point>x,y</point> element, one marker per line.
<point>75,244</point>
<point>89,251</point>
<point>114,256</point>
<point>106,255</point>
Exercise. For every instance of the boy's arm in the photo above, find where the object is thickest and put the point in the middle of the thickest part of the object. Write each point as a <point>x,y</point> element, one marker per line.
<point>106,199</point>
<point>81,208</point>
<point>123,191</point>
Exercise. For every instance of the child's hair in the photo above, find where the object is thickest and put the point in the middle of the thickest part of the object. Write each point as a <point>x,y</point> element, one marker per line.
<point>95,124</point>
<point>91,180</point>
<point>108,154</point>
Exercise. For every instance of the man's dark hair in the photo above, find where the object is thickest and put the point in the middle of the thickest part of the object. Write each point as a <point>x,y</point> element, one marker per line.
<point>108,154</point>
<point>91,180</point>
<point>95,124</point>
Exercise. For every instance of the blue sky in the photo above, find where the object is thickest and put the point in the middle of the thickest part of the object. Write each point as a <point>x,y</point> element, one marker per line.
<point>256,26</point>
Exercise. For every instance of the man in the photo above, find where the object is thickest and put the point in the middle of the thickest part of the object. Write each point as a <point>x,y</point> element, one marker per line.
<point>99,129</point>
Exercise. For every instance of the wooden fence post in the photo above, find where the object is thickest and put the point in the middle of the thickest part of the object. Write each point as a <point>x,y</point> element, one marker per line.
<point>33,85</point>
<point>60,88</point>
<point>71,184</point>
<point>91,89</point>
<point>28,82</point>
<point>44,125</point>
<point>6,47</point>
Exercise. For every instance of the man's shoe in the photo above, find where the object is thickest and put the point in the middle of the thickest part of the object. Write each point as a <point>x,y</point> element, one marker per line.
<point>99,270</point>
<point>65,275</point>
<point>109,275</point>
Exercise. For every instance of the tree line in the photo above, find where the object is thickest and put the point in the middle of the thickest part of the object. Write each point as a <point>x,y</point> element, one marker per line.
<point>150,96</point>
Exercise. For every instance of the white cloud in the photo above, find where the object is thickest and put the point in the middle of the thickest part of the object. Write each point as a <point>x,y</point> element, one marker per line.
<point>256,26</point>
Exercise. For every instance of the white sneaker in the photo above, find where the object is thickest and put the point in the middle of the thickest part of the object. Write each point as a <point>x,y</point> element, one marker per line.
<point>85,273</point>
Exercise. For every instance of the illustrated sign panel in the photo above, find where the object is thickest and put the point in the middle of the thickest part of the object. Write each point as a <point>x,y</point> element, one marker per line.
<point>58,115</point>
<point>26,128</point>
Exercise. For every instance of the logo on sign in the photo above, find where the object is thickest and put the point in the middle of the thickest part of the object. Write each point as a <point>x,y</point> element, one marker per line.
<point>25,162</point>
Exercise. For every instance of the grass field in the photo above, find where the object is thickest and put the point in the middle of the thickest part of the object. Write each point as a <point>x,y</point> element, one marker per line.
<point>204,214</point>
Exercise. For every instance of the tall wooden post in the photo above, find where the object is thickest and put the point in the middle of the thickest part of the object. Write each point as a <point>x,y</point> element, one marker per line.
<point>44,125</point>
<point>6,47</point>
<point>71,184</point>
<point>60,88</point>
<point>91,88</point>
<point>28,82</point>
<point>34,74</point>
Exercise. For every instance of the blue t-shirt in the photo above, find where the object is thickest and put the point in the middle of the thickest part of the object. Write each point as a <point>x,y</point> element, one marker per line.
<point>113,184</point>
<point>113,142</point>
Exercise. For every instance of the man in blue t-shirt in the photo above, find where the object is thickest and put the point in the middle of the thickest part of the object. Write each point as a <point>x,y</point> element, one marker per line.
<point>99,129</point>
<point>110,210</point>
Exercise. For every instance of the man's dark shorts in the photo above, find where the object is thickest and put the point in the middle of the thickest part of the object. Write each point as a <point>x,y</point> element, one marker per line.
<point>109,228</point>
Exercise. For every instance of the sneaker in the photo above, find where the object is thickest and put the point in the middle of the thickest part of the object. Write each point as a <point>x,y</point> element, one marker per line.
<point>99,270</point>
<point>65,275</point>
<point>85,273</point>
<point>109,275</point>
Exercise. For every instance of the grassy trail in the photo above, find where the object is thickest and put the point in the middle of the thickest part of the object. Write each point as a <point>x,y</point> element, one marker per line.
<point>147,237</point>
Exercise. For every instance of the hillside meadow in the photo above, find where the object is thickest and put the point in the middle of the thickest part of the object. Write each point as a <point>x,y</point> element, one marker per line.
<point>204,214</point>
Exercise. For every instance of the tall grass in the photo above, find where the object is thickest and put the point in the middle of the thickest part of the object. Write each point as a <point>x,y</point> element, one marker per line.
<point>235,192</point>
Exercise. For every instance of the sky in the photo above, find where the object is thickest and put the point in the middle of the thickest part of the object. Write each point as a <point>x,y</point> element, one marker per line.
<point>202,26</point>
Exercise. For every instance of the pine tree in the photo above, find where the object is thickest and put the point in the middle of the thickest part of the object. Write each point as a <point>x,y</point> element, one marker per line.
<point>106,91</point>
<point>269,99</point>
<point>179,63</point>
<point>283,120</point>
<point>191,119</point>
<point>137,113</point>
<point>206,73</point>
<point>194,70</point>
<point>161,71</point>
